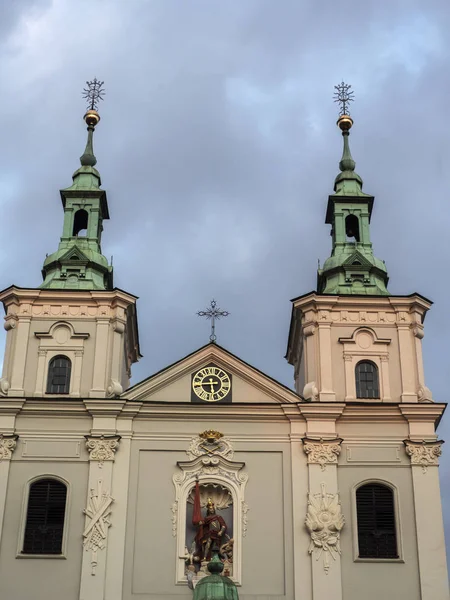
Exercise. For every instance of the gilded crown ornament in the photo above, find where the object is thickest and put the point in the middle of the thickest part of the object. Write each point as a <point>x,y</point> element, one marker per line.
<point>211,436</point>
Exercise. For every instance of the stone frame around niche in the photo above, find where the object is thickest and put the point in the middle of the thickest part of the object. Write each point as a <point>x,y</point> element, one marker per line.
<point>209,469</point>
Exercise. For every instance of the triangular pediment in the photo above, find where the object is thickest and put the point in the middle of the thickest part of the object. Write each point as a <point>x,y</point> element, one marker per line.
<point>357,259</point>
<point>174,383</point>
<point>74,254</point>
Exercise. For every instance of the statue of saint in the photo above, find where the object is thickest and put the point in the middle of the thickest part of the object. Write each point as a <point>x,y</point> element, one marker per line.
<point>210,528</point>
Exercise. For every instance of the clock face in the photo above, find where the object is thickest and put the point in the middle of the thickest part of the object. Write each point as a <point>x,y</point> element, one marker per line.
<point>211,384</point>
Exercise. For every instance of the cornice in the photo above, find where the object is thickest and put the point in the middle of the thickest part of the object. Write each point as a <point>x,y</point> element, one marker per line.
<point>104,407</point>
<point>66,296</point>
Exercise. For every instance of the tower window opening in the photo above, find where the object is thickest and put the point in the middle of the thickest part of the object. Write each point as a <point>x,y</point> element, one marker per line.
<point>367,384</point>
<point>45,517</point>
<point>80,223</point>
<point>59,370</point>
<point>352,228</point>
<point>376,521</point>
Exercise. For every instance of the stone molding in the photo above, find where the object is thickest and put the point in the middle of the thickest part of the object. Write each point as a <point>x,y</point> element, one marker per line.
<point>324,521</point>
<point>95,533</point>
<point>8,444</point>
<point>322,452</point>
<point>102,447</point>
<point>424,454</point>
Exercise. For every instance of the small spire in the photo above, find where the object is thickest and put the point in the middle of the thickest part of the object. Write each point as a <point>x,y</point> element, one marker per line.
<point>347,182</point>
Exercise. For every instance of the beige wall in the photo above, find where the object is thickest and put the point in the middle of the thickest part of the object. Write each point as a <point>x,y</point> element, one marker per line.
<point>373,579</point>
<point>267,549</point>
<point>42,578</point>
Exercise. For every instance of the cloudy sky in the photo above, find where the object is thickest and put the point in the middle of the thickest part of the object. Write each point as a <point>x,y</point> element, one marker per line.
<point>218,149</point>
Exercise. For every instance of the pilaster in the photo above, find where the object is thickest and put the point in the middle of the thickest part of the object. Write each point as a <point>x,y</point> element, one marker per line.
<point>99,513</point>
<point>324,519</point>
<point>428,516</point>
<point>7,446</point>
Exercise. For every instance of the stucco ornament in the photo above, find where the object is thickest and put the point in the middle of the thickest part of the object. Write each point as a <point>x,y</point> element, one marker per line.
<point>7,446</point>
<point>210,442</point>
<point>221,480</point>
<point>102,448</point>
<point>324,521</point>
<point>322,452</point>
<point>423,453</point>
<point>98,511</point>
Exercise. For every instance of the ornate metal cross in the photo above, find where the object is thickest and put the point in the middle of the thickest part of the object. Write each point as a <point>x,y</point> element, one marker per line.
<point>213,313</point>
<point>93,93</point>
<point>344,96</point>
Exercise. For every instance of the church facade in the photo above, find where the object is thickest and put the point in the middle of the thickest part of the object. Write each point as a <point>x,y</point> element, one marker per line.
<point>328,491</point>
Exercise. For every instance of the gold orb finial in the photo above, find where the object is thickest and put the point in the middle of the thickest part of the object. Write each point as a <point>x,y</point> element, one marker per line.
<point>91,117</point>
<point>345,122</point>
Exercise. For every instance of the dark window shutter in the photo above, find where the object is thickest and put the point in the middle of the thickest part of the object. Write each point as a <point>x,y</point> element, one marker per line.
<point>376,521</point>
<point>45,517</point>
<point>59,370</point>
<point>366,375</point>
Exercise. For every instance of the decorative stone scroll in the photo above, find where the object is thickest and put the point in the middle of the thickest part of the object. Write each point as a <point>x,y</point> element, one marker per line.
<point>102,447</point>
<point>324,521</point>
<point>98,511</point>
<point>7,445</point>
<point>322,452</point>
<point>210,443</point>
<point>220,478</point>
<point>423,453</point>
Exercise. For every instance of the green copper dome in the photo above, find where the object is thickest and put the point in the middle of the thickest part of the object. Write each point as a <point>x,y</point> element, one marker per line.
<point>215,586</point>
<point>352,267</point>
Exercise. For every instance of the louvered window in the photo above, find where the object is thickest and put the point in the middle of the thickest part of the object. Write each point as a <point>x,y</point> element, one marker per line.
<point>45,517</point>
<point>366,374</point>
<point>376,521</point>
<point>58,381</point>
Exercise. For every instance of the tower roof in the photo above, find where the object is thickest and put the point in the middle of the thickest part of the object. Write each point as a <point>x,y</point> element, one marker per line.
<point>79,263</point>
<point>352,267</point>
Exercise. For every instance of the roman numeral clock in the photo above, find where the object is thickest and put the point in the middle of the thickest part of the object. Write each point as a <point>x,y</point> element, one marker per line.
<point>211,384</point>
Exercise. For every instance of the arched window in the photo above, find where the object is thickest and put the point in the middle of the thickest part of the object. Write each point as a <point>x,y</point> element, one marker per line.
<point>45,517</point>
<point>352,227</point>
<point>58,381</point>
<point>367,384</point>
<point>80,223</point>
<point>376,521</point>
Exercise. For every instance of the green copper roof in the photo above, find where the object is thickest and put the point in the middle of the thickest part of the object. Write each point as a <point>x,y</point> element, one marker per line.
<point>352,267</point>
<point>215,586</point>
<point>79,263</point>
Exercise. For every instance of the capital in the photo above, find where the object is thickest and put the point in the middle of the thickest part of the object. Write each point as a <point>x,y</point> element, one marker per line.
<point>7,445</point>
<point>322,452</point>
<point>102,447</point>
<point>424,453</point>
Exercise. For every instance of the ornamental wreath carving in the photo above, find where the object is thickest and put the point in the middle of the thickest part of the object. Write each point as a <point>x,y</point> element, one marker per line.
<point>322,452</point>
<point>7,446</point>
<point>95,533</point>
<point>102,448</point>
<point>424,453</point>
<point>324,521</point>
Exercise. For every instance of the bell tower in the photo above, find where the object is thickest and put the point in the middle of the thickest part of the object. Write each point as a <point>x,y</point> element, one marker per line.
<point>351,340</point>
<point>76,334</point>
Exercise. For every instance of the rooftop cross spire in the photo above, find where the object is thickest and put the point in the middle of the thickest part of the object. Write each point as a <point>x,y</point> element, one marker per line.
<point>352,268</point>
<point>93,93</point>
